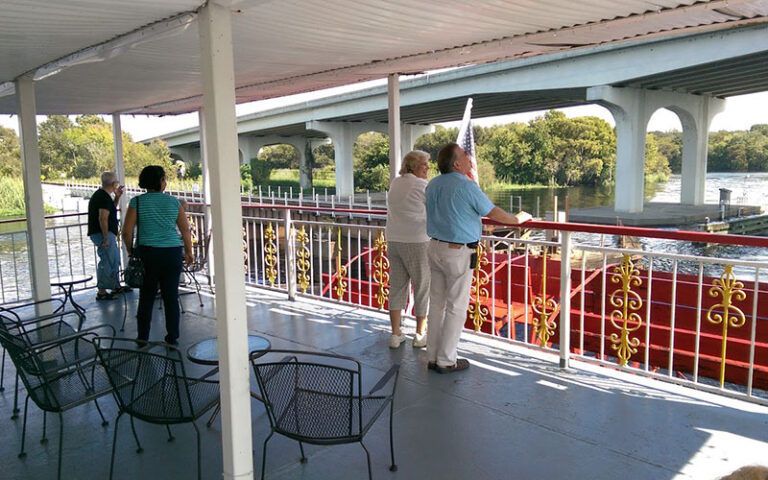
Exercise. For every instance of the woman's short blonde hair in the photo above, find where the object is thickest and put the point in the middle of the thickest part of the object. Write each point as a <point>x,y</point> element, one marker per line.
<point>411,160</point>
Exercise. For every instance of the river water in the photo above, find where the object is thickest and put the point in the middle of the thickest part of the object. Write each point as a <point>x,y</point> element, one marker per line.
<point>70,249</point>
<point>746,189</point>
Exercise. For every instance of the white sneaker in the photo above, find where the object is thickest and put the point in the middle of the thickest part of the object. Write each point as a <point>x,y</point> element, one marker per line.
<point>396,340</point>
<point>419,340</point>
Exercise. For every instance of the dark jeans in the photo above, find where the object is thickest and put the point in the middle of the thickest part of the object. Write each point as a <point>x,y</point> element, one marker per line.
<point>162,267</point>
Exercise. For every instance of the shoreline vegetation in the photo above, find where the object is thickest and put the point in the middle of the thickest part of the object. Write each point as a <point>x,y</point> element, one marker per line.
<point>550,151</point>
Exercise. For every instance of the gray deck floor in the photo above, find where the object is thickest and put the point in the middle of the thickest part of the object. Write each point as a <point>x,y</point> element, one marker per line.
<point>513,415</point>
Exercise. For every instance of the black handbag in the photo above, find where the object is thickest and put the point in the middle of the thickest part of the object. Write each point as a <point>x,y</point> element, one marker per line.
<point>133,276</point>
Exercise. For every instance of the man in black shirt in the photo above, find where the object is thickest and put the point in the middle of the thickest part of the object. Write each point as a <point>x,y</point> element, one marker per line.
<point>102,228</point>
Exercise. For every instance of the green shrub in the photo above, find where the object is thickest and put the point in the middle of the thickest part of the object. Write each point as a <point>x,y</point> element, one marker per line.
<point>12,198</point>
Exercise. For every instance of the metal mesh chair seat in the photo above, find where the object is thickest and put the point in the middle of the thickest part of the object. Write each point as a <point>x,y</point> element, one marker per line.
<point>326,418</point>
<point>150,384</point>
<point>22,321</point>
<point>316,398</point>
<point>174,408</point>
<point>71,387</point>
<point>56,383</point>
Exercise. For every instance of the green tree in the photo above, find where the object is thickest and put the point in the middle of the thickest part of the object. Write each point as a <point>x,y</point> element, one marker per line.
<point>10,153</point>
<point>371,162</point>
<point>57,155</point>
<point>432,142</point>
<point>670,145</point>
<point>280,156</point>
<point>324,155</point>
<point>656,166</point>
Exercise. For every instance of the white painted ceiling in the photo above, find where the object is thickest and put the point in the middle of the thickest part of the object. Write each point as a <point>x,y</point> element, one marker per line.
<point>142,56</point>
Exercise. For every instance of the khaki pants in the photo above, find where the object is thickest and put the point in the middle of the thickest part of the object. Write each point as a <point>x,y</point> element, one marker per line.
<point>451,280</point>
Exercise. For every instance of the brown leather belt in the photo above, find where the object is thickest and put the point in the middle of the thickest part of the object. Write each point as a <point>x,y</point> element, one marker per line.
<point>471,245</point>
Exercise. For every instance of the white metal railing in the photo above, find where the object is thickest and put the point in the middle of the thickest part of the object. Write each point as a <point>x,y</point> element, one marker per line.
<point>668,330</point>
<point>70,253</point>
<point>691,319</point>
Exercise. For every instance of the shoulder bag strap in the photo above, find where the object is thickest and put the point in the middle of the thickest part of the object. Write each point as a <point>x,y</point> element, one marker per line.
<point>136,243</point>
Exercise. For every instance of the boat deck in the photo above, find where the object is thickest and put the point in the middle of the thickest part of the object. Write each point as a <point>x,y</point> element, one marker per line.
<point>659,214</point>
<point>513,415</point>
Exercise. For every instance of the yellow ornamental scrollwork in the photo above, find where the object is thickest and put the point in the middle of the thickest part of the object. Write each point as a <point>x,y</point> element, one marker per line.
<point>381,270</point>
<point>303,259</point>
<point>192,229</point>
<point>545,307</point>
<point>479,290</point>
<point>341,270</point>
<point>729,289</point>
<point>627,303</point>
<point>245,251</point>
<point>270,254</point>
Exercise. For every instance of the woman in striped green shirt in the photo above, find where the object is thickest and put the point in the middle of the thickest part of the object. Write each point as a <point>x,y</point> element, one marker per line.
<point>157,217</point>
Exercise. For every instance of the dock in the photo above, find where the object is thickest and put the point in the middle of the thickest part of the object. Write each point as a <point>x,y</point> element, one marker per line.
<point>658,214</point>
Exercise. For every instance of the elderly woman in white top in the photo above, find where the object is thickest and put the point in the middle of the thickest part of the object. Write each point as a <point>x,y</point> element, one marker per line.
<point>407,242</point>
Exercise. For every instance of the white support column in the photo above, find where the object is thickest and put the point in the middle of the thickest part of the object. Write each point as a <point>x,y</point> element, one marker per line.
<point>411,133</point>
<point>393,117</point>
<point>117,138</point>
<point>695,117</point>
<point>629,109</point>
<point>206,194</point>
<point>217,65</point>
<point>565,298</point>
<point>33,190</point>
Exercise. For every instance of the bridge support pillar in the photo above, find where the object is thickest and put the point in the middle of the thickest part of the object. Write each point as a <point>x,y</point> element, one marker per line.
<point>695,116</point>
<point>410,133</point>
<point>344,135</point>
<point>632,108</point>
<point>254,144</point>
<point>631,113</point>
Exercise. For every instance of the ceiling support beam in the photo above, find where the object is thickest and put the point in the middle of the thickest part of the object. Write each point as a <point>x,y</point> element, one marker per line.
<point>217,64</point>
<point>393,121</point>
<point>117,139</point>
<point>206,195</point>
<point>33,190</point>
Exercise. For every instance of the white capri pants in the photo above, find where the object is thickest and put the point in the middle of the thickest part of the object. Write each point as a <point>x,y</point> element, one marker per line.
<point>408,262</point>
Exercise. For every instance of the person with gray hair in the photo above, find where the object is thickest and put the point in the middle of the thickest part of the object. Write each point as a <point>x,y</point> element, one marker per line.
<point>455,209</point>
<point>407,242</point>
<point>102,230</point>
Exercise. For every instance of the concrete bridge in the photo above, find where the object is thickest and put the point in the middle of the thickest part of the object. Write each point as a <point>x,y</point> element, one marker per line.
<point>690,75</point>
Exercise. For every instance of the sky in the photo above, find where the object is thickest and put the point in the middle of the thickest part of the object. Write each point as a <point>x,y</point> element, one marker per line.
<point>740,114</point>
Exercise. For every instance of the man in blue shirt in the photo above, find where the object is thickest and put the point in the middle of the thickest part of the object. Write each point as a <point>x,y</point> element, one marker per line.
<point>455,208</point>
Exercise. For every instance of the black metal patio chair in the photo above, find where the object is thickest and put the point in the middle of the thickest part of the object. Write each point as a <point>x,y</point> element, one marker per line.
<point>318,398</point>
<point>150,384</point>
<point>37,330</point>
<point>58,375</point>
<point>22,312</point>
<point>199,264</point>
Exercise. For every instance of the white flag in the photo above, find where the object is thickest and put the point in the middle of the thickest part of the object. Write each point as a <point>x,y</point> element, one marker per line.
<point>466,140</point>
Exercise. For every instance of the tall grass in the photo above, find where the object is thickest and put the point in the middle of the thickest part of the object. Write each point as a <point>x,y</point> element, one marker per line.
<point>12,198</point>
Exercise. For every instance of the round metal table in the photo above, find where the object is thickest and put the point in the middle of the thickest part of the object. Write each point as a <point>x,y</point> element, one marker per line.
<point>206,352</point>
<point>66,284</point>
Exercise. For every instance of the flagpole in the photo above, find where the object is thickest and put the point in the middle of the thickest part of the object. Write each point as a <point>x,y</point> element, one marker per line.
<point>466,140</point>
